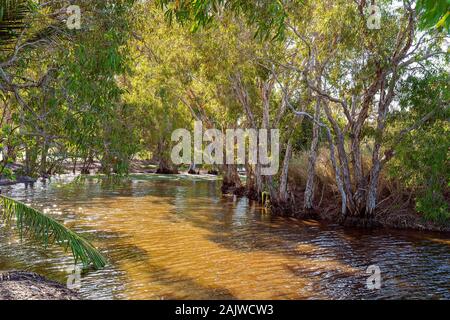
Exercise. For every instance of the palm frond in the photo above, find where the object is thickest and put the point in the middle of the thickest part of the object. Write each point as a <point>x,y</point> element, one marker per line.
<point>12,19</point>
<point>31,222</point>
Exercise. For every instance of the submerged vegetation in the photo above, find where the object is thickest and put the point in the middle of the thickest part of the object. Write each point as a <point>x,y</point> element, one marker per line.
<point>363,112</point>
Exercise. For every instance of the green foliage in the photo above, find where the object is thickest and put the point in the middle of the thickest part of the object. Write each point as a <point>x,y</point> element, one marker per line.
<point>12,18</point>
<point>423,158</point>
<point>434,14</point>
<point>35,224</point>
<point>268,16</point>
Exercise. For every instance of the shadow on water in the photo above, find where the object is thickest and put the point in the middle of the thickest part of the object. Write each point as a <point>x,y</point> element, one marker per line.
<point>173,237</point>
<point>341,255</point>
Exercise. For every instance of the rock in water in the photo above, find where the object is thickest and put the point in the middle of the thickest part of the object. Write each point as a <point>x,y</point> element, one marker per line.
<point>20,285</point>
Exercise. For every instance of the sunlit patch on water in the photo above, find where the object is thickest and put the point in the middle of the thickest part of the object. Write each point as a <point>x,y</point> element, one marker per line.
<point>176,237</point>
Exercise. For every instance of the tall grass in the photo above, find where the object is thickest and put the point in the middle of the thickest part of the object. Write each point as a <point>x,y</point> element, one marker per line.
<point>325,177</point>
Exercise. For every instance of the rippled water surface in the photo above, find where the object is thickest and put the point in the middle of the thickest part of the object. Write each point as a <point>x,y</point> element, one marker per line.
<point>177,237</point>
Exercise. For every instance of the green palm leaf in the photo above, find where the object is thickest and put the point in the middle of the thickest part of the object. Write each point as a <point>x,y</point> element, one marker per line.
<point>12,18</point>
<point>47,230</point>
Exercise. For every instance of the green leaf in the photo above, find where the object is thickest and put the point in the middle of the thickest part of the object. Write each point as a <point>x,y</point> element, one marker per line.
<point>47,230</point>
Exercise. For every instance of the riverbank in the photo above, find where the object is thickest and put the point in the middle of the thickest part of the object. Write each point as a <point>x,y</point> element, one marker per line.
<point>21,285</point>
<point>396,213</point>
<point>392,213</point>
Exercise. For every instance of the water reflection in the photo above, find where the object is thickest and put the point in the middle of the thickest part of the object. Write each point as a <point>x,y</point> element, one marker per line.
<point>176,237</point>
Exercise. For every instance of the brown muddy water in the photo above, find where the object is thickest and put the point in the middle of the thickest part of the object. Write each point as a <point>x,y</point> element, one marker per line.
<point>177,237</point>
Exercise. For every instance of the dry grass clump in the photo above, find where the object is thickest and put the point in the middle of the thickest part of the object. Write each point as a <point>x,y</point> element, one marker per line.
<point>390,191</point>
<point>298,170</point>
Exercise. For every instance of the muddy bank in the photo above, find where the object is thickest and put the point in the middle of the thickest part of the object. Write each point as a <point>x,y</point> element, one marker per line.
<point>21,285</point>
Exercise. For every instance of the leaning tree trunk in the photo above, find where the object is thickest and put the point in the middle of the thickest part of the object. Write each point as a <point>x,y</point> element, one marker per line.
<point>347,196</point>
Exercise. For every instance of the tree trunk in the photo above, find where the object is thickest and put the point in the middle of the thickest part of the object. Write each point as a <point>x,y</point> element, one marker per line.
<point>359,196</point>
<point>231,182</point>
<point>74,167</point>
<point>283,193</point>
<point>309,190</point>
<point>43,164</point>
<point>343,159</point>
<point>192,168</point>
<point>258,181</point>
<point>371,201</point>
<point>87,164</point>
<point>165,167</point>
<point>250,182</point>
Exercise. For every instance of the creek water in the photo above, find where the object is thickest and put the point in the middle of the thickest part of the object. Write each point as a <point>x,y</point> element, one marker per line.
<point>177,237</point>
